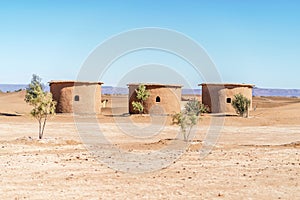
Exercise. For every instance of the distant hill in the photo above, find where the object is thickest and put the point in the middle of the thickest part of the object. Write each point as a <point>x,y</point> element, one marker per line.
<point>191,91</point>
<point>11,87</point>
<point>16,87</point>
<point>123,91</point>
<point>276,92</point>
<point>114,90</point>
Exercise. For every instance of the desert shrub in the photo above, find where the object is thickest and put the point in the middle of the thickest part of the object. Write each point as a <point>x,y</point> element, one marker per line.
<point>241,104</point>
<point>188,118</point>
<point>142,95</point>
<point>137,106</point>
<point>194,106</point>
<point>186,123</point>
<point>176,118</point>
<point>42,102</point>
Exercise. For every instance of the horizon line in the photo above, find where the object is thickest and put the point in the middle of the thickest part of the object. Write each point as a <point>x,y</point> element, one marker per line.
<point>199,87</point>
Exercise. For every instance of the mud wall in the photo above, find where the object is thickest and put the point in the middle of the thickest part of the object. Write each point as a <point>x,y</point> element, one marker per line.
<point>219,97</point>
<point>77,97</point>
<point>162,99</point>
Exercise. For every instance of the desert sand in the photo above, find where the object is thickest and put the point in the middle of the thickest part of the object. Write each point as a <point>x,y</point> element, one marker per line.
<point>253,158</point>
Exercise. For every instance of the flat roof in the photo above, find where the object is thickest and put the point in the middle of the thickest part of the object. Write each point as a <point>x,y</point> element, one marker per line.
<point>155,84</point>
<point>228,84</point>
<point>70,81</point>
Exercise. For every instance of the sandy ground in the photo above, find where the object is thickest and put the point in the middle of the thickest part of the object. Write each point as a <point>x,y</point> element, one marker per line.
<point>254,158</point>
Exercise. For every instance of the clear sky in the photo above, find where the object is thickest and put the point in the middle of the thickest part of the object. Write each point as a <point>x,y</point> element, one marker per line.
<point>249,41</point>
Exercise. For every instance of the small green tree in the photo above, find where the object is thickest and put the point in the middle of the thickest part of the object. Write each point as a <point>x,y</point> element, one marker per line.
<point>142,95</point>
<point>186,123</point>
<point>188,118</point>
<point>194,106</point>
<point>42,102</point>
<point>137,106</point>
<point>241,104</point>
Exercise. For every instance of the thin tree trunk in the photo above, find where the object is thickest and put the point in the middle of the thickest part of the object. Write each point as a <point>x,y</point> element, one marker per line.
<point>44,123</point>
<point>40,129</point>
<point>189,132</point>
<point>185,136</point>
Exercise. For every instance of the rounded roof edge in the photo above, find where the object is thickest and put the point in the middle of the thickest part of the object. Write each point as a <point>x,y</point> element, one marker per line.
<point>70,81</point>
<point>228,84</point>
<point>155,84</point>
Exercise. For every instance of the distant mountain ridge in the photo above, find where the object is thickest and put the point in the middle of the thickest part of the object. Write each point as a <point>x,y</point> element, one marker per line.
<point>276,92</point>
<point>16,87</point>
<point>123,91</point>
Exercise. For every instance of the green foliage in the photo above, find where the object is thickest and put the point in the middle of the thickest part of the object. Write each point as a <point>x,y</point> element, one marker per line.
<point>142,95</point>
<point>137,106</point>
<point>42,102</point>
<point>195,107</point>
<point>177,118</point>
<point>188,117</point>
<point>241,104</point>
<point>181,120</point>
<point>34,90</point>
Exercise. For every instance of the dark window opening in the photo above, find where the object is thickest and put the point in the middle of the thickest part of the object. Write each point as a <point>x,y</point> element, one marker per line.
<point>76,98</point>
<point>157,99</point>
<point>228,100</point>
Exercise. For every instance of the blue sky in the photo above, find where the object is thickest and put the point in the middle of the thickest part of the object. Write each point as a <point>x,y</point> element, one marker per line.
<point>249,41</point>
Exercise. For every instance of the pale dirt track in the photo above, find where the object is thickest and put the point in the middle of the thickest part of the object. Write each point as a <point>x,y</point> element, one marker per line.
<point>255,158</point>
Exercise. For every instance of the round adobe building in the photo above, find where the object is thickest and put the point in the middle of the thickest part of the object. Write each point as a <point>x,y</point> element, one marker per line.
<point>163,99</point>
<point>76,97</point>
<point>218,96</point>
